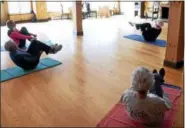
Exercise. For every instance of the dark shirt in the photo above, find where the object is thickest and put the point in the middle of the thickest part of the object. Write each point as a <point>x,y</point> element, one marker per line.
<point>151,34</point>
<point>24,59</point>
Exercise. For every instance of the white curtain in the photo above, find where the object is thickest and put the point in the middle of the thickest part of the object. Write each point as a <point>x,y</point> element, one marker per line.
<point>19,7</point>
<point>128,8</point>
<point>56,6</point>
<point>96,5</point>
<point>53,7</point>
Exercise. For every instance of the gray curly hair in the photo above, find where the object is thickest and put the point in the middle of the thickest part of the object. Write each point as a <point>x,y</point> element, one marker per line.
<point>142,79</point>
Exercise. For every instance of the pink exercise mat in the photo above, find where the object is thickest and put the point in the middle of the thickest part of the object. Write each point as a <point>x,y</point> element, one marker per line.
<point>118,117</point>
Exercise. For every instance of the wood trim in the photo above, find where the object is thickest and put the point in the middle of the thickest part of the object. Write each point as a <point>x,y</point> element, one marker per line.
<point>79,33</point>
<point>43,20</point>
<point>142,9</point>
<point>171,64</point>
<point>22,21</point>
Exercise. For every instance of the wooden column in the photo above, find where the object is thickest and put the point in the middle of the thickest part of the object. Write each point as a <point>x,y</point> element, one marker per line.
<point>175,47</point>
<point>77,18</point>
<point>4,12</point>
<point>142,9</point>
<point>40,8</point>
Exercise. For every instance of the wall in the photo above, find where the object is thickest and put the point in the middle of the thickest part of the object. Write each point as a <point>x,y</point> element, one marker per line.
<point>4,13</point>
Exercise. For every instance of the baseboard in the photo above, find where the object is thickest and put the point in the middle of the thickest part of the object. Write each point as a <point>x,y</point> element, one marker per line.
<point>23,21</point>
<point>79,33</point>
<point>43,20</point>
<point>174,64</point>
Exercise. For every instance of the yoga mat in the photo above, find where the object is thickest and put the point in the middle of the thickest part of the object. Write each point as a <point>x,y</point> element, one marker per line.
<point>15,72</point>
<point>48,42</point>
<point>118,116</point>
<point>49,63</point>
<point>160,43</point>
<point>5,76</point>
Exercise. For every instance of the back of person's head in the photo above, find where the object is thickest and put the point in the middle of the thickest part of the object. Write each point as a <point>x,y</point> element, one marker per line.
<point>10,24</point>
<point>142,80</point>
<point>10,46</point>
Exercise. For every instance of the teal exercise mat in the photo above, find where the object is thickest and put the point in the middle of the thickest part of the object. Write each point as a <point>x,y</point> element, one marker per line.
<point>5,76</point>
<point>16,71</point>
<point>49,62</point>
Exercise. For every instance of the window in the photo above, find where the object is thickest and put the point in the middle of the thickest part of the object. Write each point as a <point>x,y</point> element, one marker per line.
<point>97,5</point>
<point>19,7</point>
<point>53,7</point>
<point>57,6</point>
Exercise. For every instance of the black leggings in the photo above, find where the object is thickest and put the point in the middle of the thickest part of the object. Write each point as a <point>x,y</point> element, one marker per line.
<point>157,90</point>
<point>22,42</point>
<point>144,26</point>
<point>149,33</point>
<point>36,48</point>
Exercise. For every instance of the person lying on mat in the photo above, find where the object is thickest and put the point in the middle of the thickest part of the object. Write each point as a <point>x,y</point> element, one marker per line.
<point>145,107</point>
<point>148,32</point>
<point>19,37</point>
<point>29,59</point>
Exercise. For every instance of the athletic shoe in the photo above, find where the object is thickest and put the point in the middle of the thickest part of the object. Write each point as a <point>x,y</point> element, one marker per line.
<point>56,49</point>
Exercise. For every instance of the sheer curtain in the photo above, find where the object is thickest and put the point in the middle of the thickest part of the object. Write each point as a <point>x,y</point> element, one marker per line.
<point>96,5</point>
<point>57,6</point>
<point>19,7</point>
<point>53,6</point>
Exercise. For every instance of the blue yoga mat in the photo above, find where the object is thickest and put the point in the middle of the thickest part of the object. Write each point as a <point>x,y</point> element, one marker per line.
<point>15,72</point>
<point>49,42</point>
<point>161,43</point>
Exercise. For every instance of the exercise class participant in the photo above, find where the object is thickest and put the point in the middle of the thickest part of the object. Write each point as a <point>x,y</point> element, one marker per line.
<point>147,108</point>
<point>19,37</point>
<point>149,33</point>
<point>29,59</point>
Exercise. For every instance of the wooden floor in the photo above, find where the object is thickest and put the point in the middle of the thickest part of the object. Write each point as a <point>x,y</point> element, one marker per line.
<point>96,70</point>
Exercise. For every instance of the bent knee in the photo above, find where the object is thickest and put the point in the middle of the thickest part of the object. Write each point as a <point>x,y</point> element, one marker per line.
<point>24,28</point>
